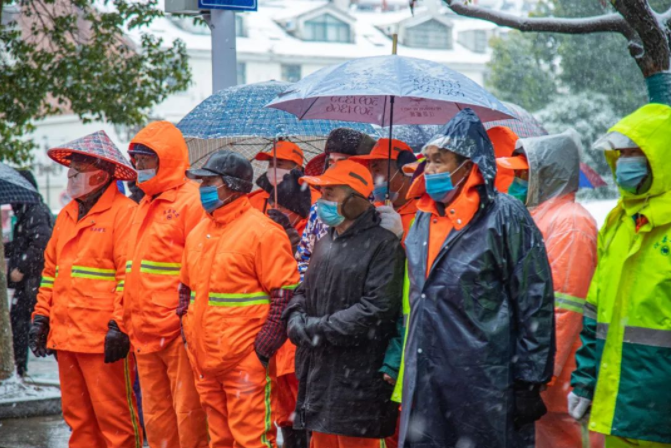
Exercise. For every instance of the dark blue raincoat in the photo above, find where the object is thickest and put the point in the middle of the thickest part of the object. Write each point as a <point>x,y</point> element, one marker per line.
<point>481,322</point>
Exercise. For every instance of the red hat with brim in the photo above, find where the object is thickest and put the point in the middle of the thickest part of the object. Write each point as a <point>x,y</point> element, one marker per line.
<point>99,146</point>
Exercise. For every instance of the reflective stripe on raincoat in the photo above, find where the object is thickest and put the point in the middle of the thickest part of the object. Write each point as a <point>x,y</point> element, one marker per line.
<point>570,234</point>
<point>624,364</point>
<point>84,266</point>
<point>234,261</point>
<point>160,225</point>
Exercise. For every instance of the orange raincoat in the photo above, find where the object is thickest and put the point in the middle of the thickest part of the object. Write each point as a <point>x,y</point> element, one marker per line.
<point>160,225</point>
<point>570,234</point>
<point>504,140</point>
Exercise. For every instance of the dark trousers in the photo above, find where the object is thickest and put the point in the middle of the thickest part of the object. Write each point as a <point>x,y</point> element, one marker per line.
<point>23,303</point>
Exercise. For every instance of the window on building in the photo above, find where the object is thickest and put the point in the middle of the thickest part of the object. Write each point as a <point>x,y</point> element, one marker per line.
<point>291,72</point>
<point>240,26</point>
<point>480,41</point>
<point>326,28</point>
<point>242,73</point>
<point>430,34</point>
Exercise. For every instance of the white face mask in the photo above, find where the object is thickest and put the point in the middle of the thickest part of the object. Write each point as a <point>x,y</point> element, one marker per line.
<point>276,178</point>
<point>80,184</point>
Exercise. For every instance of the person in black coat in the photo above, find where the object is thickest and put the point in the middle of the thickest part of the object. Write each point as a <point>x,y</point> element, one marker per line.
<point>343,314</point>
<point>25,252</point>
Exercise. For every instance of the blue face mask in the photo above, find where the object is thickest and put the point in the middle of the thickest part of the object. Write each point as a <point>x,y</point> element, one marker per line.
<point>145,175</point>
<point>380,193</point>
<point>209,198</point>
<point>519,189</point>
<point>328,213</point>
<point>630,172</point>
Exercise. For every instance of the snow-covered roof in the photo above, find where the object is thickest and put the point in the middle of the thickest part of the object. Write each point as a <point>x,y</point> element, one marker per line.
<point>264,35</point>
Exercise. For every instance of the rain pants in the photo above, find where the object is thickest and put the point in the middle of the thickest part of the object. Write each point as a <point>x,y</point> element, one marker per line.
<point>241,273</point>
<point>481,316</point>
<point>624,363</point>
<point>84,264</point>
<point>504,140</point>
<point>166,215</point>
<point>570,236</point>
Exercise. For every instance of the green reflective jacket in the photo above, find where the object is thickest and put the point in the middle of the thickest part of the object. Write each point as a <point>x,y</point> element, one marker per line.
<point>624,364</point>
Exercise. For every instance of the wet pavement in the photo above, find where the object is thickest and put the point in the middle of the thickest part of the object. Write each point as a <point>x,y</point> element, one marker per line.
<point>37,432</point>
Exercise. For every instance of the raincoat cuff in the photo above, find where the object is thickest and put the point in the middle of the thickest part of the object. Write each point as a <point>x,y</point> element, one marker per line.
<point>392,372</point>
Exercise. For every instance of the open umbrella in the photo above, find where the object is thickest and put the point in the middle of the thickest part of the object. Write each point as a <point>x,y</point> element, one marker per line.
<point>14,189</point>
<point>388,91</point>
<point>236,118</point>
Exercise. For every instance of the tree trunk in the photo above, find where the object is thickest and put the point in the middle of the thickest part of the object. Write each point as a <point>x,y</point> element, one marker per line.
<point>659,88</point>
<point>6,346</point>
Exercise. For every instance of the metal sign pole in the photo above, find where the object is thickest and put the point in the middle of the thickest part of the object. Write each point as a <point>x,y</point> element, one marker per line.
<point>224,57</point>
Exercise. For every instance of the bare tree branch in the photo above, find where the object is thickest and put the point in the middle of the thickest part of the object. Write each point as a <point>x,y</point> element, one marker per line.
<point>608,23</point>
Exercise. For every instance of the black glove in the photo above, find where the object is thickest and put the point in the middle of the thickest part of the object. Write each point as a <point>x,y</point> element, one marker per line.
<point>529,405</point>
<point>117,343</point>
<point>296,330</point>
<point>263,359</point>
<point>37,336</point>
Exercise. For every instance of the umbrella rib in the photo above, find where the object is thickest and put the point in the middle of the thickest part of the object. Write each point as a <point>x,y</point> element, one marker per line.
<point>384,110</point>
<point>308,109</point>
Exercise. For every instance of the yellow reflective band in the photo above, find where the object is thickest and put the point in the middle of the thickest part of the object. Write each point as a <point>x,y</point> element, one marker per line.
<point>120,286</point>
<point>590,311</point>
<point>160,268</point>
<point>129,265</point>
<point>291,287</point>
<point>222,299</point>
<point>570,303</point>
<point>93,273</point>
<point>647,336</point>
<point>47,282</point>
<point>193,297</point>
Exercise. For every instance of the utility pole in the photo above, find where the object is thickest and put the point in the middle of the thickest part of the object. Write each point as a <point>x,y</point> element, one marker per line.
<point>224,55</point>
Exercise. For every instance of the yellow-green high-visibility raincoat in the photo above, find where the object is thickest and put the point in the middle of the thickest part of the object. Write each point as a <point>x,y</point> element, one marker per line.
<point>624,364</point>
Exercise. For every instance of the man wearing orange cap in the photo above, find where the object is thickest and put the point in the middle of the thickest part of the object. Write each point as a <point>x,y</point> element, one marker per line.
<point>547,172</point>
<point>79,312</point>
<point>343,314</point>
<point>164,218</point>
<point>285,157</point>
<point>503,139</point>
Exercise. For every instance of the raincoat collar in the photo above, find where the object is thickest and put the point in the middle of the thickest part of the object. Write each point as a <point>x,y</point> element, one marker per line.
<point>464,206</point>
<point>103,203</point>
<point>409,208</point>
<point>466,136</point>
<point>650,128</point>
<point>554,165</point>
<point>229,212</point>
<point>368,219</point>
<point>168,143</point>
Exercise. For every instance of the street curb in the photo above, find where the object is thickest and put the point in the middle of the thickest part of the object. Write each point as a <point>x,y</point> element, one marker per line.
<point>31,407</point>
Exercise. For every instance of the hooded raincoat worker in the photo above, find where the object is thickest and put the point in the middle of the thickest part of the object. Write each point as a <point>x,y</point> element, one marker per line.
<point>283,158</point>
<point>164,218</point>
<point>79,312</point>
<point>480,342</point>
<point>240,273</point>
<point>547,176</point>
<point>343,315</point>
<point>624,363</point>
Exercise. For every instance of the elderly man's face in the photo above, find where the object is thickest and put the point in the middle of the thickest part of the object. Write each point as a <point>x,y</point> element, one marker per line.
<point>445,161</point>
<point>335,193</point>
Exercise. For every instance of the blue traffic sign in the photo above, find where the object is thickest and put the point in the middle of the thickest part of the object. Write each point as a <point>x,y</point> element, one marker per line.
<point>233,5</point>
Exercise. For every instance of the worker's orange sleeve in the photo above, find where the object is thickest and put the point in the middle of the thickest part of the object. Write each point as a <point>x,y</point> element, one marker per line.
<point>46,291</point>
<point>572,252</point>
<point>122,224</point>
<point>195,213</point>
<point>276,266</point>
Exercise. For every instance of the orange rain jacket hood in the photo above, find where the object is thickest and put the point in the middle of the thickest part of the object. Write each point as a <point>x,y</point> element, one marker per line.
<point>83,270</point>
<point>570,234</point>
<point>163,220</point>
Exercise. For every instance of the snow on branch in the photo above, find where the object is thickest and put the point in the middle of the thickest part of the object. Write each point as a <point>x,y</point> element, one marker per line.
<point>607,23</point>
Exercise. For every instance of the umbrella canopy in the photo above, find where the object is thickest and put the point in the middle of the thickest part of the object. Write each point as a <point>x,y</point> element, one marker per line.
<point>423,92</point>
<point>236,117</point>
<point>14,188</point>
<point>523,124</point>
<point>590,178</point>
<point>97,145</point>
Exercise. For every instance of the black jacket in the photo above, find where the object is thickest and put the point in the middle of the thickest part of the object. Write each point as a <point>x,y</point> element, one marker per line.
<point>32,232</point>
<point>351,297</point>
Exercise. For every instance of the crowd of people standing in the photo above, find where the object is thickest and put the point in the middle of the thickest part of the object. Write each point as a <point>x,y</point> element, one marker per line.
<point>459,298</point>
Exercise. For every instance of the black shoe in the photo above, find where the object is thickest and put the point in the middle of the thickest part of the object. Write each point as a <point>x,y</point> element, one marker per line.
<point>294,438</point>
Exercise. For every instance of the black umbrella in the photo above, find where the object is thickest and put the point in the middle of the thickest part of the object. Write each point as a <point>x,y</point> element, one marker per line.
<point>14,189</point>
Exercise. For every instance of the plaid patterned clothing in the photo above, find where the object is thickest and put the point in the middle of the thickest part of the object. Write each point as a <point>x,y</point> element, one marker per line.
<point>315,229</point>
<point>273,334</point>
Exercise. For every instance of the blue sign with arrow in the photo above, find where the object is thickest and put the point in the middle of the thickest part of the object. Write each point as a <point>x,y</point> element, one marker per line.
<point>232,5</point>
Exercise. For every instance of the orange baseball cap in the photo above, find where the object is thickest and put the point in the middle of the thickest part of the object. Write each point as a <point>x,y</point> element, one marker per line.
<point>513,163</point>
<point>381,151</point>
<point>286,151</point>
<point>344,172</point>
